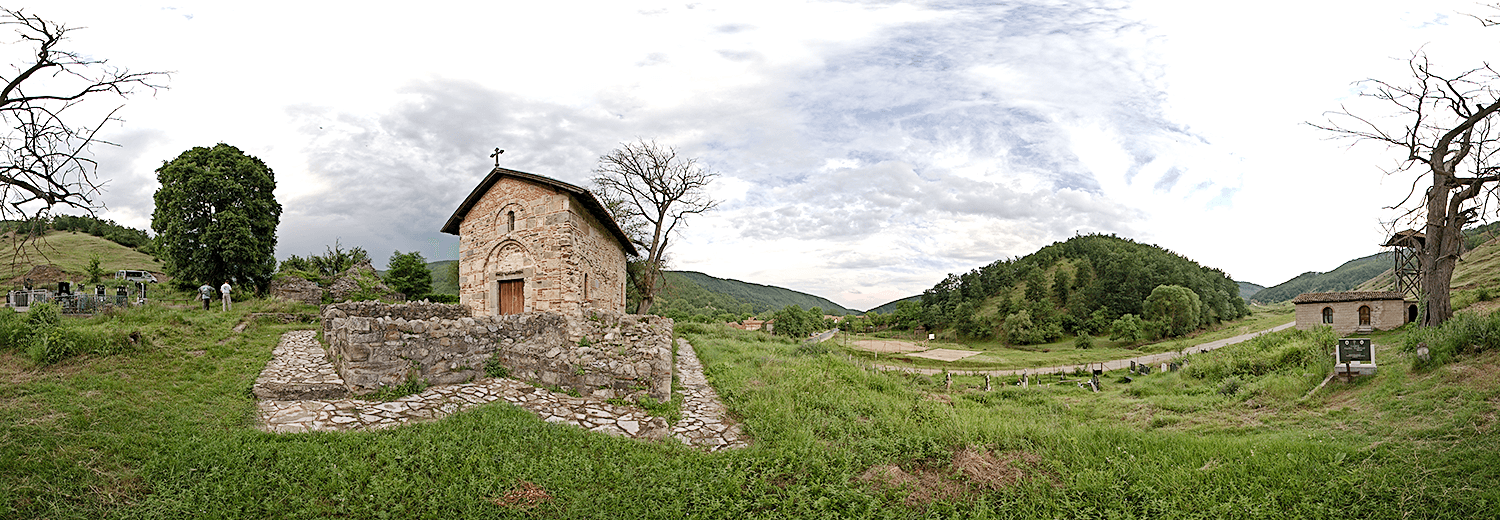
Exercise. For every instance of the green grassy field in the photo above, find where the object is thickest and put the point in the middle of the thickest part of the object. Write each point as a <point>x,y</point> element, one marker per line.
<point>996,355</point>
<point>70,251</point>
<point>167,431</point>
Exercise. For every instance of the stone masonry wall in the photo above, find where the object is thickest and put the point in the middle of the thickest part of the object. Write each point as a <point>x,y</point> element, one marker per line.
<point>600,353</point>
<point>1384,315</point>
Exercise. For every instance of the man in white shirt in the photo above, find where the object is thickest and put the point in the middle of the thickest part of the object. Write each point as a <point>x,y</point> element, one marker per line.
<point>224,290</point>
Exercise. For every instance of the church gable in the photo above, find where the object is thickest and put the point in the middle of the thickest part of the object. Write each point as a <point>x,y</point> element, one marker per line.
<point>529,243</point>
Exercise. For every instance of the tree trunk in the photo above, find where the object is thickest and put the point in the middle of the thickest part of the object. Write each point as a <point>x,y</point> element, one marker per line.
<point>1440,253</point>
<point>647,288</point>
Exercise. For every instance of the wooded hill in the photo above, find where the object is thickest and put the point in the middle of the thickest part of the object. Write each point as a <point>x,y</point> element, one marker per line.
<point>689,293</point>
<point>1345,277</point>
<point>1078,286</point>
<point>891,306</point>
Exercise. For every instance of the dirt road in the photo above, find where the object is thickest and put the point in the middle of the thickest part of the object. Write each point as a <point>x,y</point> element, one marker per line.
<point>1119,364</point>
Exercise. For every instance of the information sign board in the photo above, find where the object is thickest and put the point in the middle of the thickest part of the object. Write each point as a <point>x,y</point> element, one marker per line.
<point>1355,349</point>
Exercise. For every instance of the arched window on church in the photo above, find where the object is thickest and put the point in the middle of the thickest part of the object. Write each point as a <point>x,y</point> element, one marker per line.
<point>510,221</point>
<point>1328,315</point>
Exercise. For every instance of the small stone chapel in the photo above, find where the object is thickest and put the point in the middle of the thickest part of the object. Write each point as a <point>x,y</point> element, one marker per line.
<point>529,243</point>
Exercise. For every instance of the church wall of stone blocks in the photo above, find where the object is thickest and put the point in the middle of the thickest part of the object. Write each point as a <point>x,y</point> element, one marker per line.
<point>540,247</point>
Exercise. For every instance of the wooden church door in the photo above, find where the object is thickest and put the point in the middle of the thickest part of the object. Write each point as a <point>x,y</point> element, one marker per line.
<point>512,296</point>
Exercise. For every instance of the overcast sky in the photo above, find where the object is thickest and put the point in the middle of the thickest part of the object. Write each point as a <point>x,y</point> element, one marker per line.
<point>866,149</point>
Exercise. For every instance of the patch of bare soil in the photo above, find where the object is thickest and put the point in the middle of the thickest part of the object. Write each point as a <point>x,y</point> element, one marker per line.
<point>524,496</point>
<point>970,472</point>
<point>41,275</point>
<point>1484,308</point>
<point>887,346</point>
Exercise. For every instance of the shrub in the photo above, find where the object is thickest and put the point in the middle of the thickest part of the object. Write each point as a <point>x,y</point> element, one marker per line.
<point>1083,341</point>
<point>44,315</point>
<point>49,345</point>
<point>13,329</point>
<point>1464,334</point>
<point>1128,328</point>
<point>1230,386</point>
<point>493,368</point>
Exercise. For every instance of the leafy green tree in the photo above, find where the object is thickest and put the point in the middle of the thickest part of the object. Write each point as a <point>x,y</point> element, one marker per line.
<point>216,217</point>
<point>1061,285</point>
<point>793,322</point>
<point>94,271</point>
<point>1177,308</point>
<point>409,275</point>
<point>1129,328</point>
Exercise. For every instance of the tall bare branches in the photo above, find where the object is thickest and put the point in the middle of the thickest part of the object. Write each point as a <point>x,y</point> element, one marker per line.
<point>650,190</point>
<point>45,158</point>
<point>1444,126</point>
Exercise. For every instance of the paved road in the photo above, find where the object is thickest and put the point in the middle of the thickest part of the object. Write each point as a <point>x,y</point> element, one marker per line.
<point>1119,364</point>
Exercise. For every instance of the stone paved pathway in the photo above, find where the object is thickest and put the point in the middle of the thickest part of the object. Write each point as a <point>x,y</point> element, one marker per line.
<point>300,392</point>
<point>703,413</point>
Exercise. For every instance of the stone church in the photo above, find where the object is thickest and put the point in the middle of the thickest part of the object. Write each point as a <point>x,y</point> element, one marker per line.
<point>529,243</point>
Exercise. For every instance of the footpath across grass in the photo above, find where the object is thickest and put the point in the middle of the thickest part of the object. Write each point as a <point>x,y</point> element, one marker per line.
<point>167,431</point>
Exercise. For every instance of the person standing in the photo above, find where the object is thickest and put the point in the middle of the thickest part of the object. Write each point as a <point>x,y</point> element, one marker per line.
<point>205,293</point>
<point>224,289</point>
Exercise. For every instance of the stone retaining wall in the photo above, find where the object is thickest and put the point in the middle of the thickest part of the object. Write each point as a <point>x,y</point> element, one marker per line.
<point>600,353</point>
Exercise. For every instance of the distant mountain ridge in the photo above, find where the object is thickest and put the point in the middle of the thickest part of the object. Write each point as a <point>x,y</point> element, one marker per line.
<point>761,298</point>
<point>1248,289</point>
<point>1346,277</point>
<point>891,306</point>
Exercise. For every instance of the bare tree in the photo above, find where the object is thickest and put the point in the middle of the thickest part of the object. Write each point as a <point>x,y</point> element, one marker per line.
<point>45,147</point>
<point>650,189</point>
<point>1444,126</point>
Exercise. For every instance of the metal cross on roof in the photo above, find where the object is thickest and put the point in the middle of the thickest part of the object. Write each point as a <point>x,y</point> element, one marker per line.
<point>496,155</point>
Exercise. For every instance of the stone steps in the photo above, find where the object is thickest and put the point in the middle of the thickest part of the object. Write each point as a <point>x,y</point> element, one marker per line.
<point>299,370</point>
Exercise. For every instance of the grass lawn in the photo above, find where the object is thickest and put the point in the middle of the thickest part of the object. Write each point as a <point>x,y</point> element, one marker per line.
<point>996,355</point>
<point>167,431</point>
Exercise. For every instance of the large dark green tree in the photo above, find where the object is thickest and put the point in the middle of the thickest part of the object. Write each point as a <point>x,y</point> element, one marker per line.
<point>216,217</point>
<point>409,275</point>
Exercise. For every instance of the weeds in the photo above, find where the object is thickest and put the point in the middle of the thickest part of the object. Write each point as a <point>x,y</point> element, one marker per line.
<point>1465,334</point>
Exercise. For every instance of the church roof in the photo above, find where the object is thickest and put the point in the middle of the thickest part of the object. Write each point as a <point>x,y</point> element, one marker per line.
<point>1347,296</point>
<point>584,196</point>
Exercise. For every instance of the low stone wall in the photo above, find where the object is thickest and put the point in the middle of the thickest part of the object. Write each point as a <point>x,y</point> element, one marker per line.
<point>600,353</point>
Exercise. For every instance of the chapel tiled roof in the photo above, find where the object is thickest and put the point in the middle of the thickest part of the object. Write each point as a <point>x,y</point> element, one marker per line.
<point>1347,296</point>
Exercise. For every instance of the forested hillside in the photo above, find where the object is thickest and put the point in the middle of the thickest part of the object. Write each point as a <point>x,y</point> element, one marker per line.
<point>694,296</point>
<point>444,276</point>
<point>1248,289</point>
<point>1345,278</point>
<point>1082,285</point>
<point>891,307</point>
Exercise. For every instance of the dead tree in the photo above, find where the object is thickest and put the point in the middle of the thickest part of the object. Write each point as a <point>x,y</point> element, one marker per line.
<point>1444,127</point>
<point>48,130</point>
<point>650,189</point>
